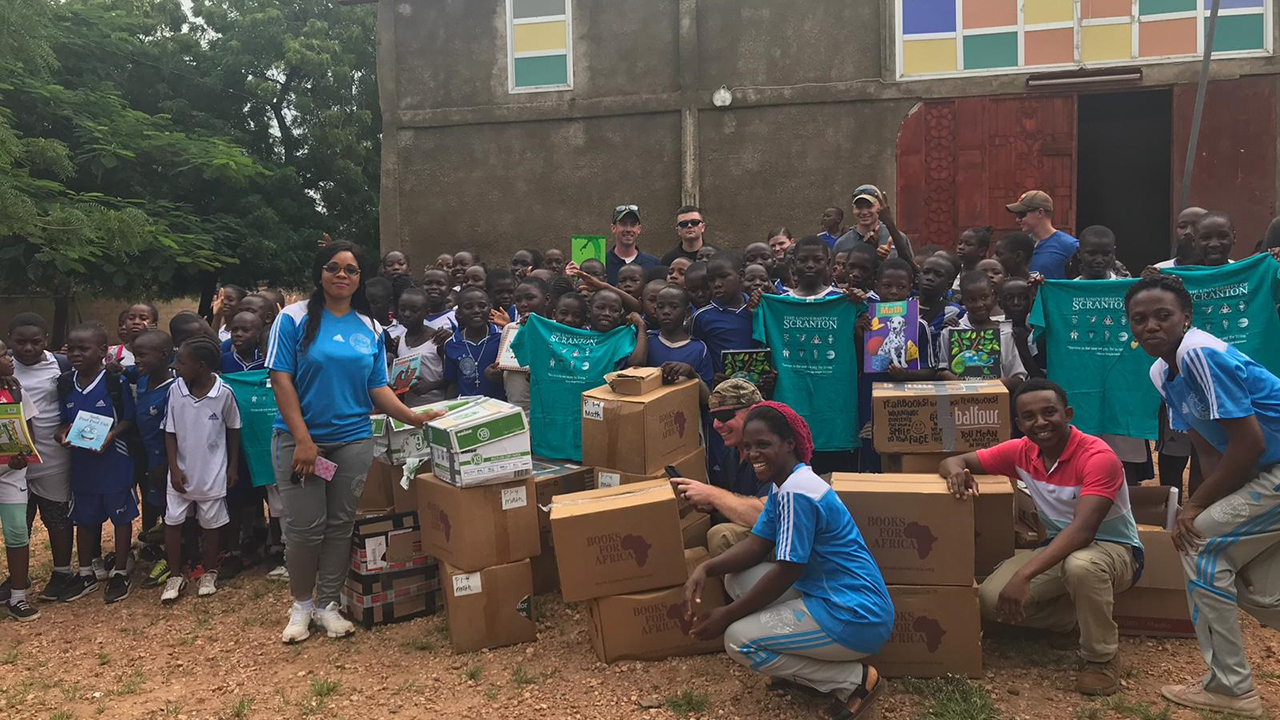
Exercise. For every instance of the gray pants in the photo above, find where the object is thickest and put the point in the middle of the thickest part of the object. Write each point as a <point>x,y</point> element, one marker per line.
<point>319,516</point>
<point>1237,567</point>
<point>783,641</point>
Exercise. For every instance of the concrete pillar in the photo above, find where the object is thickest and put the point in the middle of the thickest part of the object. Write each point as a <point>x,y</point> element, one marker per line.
<point>389,99</point>
<point>689,80</point>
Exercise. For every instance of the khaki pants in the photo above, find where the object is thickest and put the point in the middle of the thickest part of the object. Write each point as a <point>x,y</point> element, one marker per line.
<point>724,536</point>
<point>1080,591</point>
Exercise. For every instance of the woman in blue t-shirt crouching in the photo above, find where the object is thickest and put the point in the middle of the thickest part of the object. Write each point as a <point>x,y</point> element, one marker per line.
<point>808,600</point>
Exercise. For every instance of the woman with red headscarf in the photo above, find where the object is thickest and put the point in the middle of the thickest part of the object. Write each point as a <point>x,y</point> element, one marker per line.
<point>808,599</point>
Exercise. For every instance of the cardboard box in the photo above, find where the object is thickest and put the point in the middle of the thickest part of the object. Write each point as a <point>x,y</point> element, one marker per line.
<point>694,527</point>
<point>651,625</point>
<point>939,417</point>
<point>913,463</point>
<point>693,465</point>
<point>635,381</point>
<point>918,533</point>
<point>1155,612</point>
<point>390,597</point>
<point>397,442</point>
<point>387,540</point>
<point>1155,505</point>
<point>376,497</point>
<point>937,631</point>
<point>1162,563</point>
<point>993,541</point>
<point>489,608</point>
<point>557,478</point>
<point>639,434</point>
<point>546,576</point>
<point>611,541</point>
<point>483,443</point>
<point>388,477</point>
<point>477,527</point>
<point>1026,518</point>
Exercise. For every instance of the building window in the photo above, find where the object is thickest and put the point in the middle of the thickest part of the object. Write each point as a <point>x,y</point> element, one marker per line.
<point>947,37</point>
<point>539,45</point>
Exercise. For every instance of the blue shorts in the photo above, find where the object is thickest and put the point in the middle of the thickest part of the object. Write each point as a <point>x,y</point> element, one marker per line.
<point>93,509</point>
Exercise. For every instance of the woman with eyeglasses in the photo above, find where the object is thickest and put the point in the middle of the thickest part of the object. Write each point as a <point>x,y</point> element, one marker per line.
<point>329,371</point>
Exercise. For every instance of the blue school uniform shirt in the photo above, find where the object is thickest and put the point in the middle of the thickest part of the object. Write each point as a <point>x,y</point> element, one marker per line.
<point>1051,255</point>
<point>233,363</point>
<point>841,585</point>
<point>347,359</point>
<point>465,361</point>
<point>1218,382</point>
<point>110,471</point>
<point>149,410</point>
<point>723,328</point>
<point>692,352</point>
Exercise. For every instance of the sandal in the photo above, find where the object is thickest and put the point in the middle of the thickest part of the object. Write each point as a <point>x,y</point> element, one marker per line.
<point>862,696</point>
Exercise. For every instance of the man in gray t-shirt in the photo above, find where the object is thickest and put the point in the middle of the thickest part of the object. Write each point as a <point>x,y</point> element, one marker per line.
<point>871,222</point>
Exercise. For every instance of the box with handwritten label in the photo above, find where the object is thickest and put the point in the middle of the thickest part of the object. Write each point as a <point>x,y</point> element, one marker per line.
<point>478,527</point>
<point>489,608</point>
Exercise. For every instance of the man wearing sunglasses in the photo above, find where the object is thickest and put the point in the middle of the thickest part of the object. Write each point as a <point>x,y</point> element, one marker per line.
<point>1054,248</point>
<point>626,231</point>
<point>735,496</point>
<point>690,226</point>
<point>874,225</point>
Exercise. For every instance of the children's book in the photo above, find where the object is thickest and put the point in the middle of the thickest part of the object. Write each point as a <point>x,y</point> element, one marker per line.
<point>974,354</point>
<point>507,358</point>
<point>404,371</point>
<point>89,431</point>
<point>750,365</point>
<point>14,438</point>
<point>894,337</point>
<point>587,247</point>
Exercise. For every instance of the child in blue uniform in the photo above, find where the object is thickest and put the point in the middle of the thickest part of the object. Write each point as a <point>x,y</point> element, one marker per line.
<point>246,344</point>
<point>473,347</point>
<point>724,323</point>
<point>101,482</point>
<point>153,352</point>
<point>671,342</point>
<point>808,599</point>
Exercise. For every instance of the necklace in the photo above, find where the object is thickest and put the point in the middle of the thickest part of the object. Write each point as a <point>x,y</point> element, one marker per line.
<point>469,364</point>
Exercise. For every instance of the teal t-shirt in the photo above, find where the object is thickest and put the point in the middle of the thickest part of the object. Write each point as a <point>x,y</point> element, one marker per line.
<point>815,353</point>
<point>564,362</point>
<point>258,411</point>
<point>1093,355</point>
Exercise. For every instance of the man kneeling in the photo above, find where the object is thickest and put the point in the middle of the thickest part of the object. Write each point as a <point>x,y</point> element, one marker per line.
<point>1067,585</point>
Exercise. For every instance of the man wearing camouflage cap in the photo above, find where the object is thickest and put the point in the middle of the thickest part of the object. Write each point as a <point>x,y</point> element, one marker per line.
<point>735,496</point>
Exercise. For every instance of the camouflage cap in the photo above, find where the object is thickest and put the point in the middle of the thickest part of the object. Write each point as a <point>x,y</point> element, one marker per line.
<point>734,393</point>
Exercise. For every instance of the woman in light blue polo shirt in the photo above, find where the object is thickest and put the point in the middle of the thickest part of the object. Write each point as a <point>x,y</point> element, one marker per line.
<point>329,371</point>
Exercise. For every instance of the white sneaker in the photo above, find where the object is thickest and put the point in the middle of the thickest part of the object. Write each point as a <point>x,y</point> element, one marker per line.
<point>100,569</point>
<point>208,584</point>
<point>335,626</point>
<point>173,587</point>
<point>279,573</point>
<point>299,627</point>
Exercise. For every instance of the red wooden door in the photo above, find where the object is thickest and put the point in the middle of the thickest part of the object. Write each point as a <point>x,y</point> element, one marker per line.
<point>1235,169</point>
<point>961,161</point>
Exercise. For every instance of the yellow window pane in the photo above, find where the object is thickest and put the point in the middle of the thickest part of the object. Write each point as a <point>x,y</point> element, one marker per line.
<point>1106,42</point>
<point>1035,12</point>
<point>540,37</point>
<point>928,57</point>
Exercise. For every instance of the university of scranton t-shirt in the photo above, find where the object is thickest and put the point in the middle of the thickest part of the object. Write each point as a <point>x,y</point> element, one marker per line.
<point>1087,467</point>
<point>465,361</point>
<point>334,375</point>
<point>110,471</point>
<point>723,328</point>
<point>841,585</point>
<point>258,411</point>
<point>1217,382</point>
<point>564,362</point>
<point>815,353</point>
<point>201,425</point>
<point>691,352</point>
<point>1051,255</point>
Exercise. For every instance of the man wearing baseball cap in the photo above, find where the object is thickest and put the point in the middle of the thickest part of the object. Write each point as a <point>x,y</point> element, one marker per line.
<point>735,496</point>
<point>626,230</point>
<point>1053,247</point>
<point>874,225</point>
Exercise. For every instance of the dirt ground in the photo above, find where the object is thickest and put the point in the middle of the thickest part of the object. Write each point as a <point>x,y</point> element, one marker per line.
<point>221,657</point>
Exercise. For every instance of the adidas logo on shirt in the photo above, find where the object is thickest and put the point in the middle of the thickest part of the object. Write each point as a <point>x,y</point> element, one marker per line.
<point>213,416</point>
<point>101,403</point>
<point>339,338</point>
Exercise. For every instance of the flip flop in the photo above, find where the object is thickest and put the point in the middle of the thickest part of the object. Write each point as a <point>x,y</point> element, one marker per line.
<point>862,697</point>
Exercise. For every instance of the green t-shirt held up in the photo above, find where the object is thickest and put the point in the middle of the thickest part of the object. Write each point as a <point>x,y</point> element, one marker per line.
<point>564,362</point>
<point>815,354</point>
<point>1093,355</point>
<point>257,403</point>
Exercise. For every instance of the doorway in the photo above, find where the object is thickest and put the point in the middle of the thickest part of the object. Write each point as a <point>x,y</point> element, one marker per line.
<point>1123,171</point>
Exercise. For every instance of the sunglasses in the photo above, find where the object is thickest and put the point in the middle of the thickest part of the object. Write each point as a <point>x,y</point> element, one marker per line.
<point>622,208</point>
<point>689,223</point>
<point>1022,215</point>
<point>724,416</point>
<point>334,268</point>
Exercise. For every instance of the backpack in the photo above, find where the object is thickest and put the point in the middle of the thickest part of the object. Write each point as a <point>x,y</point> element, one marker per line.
<point>115,390</point>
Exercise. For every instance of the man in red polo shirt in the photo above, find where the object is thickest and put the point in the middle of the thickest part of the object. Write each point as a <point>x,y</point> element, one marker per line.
<point>1092,551</point>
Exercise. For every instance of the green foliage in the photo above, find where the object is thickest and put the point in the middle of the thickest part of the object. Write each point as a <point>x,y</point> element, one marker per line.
<point>952,698</point>
<point>144,152</point>
<point>688,702</point>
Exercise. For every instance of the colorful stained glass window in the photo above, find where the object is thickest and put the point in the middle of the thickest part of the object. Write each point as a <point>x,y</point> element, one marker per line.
<point>943,37</point>
<point>539,45</point>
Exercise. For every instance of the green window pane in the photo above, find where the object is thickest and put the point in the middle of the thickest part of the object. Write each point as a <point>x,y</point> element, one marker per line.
<point>536,8</point>
<point>994,50</point>
<point>545,70</point>
<point>1238,32</point>
<point>1160,7</point>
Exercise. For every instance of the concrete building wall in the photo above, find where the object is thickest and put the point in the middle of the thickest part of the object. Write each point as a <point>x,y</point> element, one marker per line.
<point>816,110</point>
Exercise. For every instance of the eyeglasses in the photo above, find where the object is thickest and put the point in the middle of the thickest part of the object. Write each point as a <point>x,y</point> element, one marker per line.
<point>335,268</point>
<point>624,208</point>
<point>689,223</point>
<point>724,416</point>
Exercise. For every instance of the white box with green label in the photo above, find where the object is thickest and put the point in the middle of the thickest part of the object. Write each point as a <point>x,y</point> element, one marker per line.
<point>398,442</point>
<point>484,443</point>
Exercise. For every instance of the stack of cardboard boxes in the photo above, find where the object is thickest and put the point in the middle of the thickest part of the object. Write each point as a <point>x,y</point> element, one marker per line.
<point>920,424</point>
<point>1157,603</point>
<point>927,547</point>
